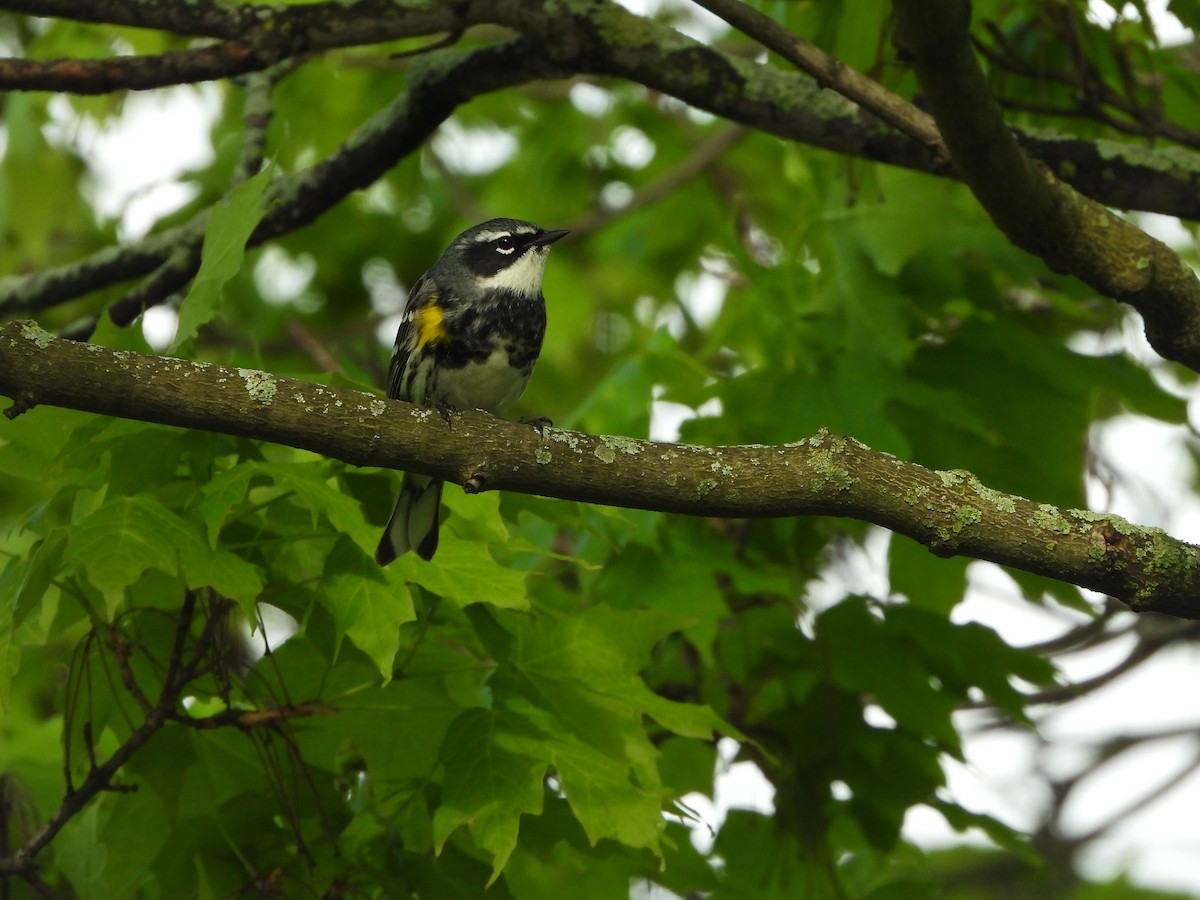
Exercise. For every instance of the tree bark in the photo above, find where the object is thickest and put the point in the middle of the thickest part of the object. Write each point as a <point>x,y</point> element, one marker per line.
<point>950,512</point>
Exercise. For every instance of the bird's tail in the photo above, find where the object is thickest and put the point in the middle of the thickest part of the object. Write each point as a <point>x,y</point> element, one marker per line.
<point>414,521</point>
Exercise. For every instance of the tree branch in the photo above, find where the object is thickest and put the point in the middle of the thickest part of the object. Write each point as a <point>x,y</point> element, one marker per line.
<point>1036,210</point>
<point>436,85</point>
<point>133,73</point>
<point>600,37</point>
<point>950,512</point>
<point>299,28</point>
<point>100,777</point>
<point>831,72</point>
<point>781,103</point>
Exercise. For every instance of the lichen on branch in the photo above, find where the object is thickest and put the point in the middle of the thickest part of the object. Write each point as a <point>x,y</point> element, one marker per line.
<point>950,512</point>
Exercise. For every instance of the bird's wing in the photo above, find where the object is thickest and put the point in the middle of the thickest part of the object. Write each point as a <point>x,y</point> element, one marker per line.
<point>420,324</point>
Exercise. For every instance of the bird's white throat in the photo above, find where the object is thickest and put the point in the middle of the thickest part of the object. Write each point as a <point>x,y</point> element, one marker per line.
<point>523,276</point>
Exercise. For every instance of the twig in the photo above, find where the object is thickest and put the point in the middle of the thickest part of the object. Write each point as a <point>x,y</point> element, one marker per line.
<point>132,73</point>
<point>40,887</point>
<point>247,719</point>
<point>1093,91</point>
<point>257,113</point>
<point>121,649</point>
<point>1124,813</point>
<point>832,73</point>
<point>1088,634</point>
<point>310,26</point>
<point>313,347</point>
<point>170,278</point>
<point>1146,648</point>
<point>100,776</point>
<point>703,158</point>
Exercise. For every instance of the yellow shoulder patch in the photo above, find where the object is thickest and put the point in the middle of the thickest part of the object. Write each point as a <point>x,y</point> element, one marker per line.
<point>430,323</point>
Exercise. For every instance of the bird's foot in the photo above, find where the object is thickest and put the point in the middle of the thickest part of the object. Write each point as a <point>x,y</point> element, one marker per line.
<point>541,423</point>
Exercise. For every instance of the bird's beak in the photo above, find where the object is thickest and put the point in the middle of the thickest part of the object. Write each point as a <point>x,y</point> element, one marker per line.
<point>546,238</point>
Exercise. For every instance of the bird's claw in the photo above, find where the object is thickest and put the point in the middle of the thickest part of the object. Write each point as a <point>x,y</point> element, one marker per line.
<point>541,423</point>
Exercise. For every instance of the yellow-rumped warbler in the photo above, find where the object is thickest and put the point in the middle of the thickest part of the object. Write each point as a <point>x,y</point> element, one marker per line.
<point>471,332</point>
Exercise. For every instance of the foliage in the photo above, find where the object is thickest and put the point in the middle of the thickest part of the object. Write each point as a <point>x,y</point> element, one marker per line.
<point>529,715</point>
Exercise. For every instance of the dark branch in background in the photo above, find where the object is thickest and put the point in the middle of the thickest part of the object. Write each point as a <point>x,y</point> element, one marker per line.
<point>832,73</point>
<point>1127,812</point>
<point>951,513</point>
<point>101,776</point>
<point>254,38</point>
<point>1120,175</point>
<point>598,38</point>
<point>297,28</point>
<point>1093,94</point>
<point>132,73</point>
<point>177,272</point>
<point>1035,210</point>
<point>1123,176</point>
<point>1031,206</point>
<point>203,18</point>
<point>192,656</point>
<point>167,280</point>
<point>294,200</point>
<point>1147,646</point>
<point>704,157</point>
<point>257,112</point>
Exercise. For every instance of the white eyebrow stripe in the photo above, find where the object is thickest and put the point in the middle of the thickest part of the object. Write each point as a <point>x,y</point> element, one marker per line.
<point>483,237</point>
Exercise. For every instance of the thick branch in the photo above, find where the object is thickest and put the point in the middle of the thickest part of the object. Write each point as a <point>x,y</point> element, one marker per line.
<point>597,36</point>
<point>312,26</point>
<point>1125,176</point>
<point>1037,211</point>
<point>951,513</point>
<point>756,96</point>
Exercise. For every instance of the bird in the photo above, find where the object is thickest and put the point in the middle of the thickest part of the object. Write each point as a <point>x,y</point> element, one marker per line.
<point>469,336</point>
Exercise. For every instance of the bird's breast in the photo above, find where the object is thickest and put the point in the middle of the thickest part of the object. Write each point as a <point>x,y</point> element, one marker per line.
<point>490,383</point>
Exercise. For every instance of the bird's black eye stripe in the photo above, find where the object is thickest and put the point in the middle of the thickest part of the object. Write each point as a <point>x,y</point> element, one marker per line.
<point>488,253</point>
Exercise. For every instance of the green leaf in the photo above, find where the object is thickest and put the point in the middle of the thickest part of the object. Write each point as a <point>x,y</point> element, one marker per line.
<point>475,516</point>
<point>368,604</point>
<point>769,863</point>
<point>25,581</point>
<point>487,786</point>
<point>10,653</point>
<point>865,658</point>
<point>687,590</point>
<point>961,819</point>
<point>567,694</point>
<point>81,855</point>
<point>465,573</point>
<point>128,535</point>
<point>596,656</point>
<point>221,496</point>
<point>229,227</point>
<point>576,680</point>
<point>928,581</point>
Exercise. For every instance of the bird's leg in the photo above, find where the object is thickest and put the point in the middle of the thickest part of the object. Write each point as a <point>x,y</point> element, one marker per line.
<point>541,423</point>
